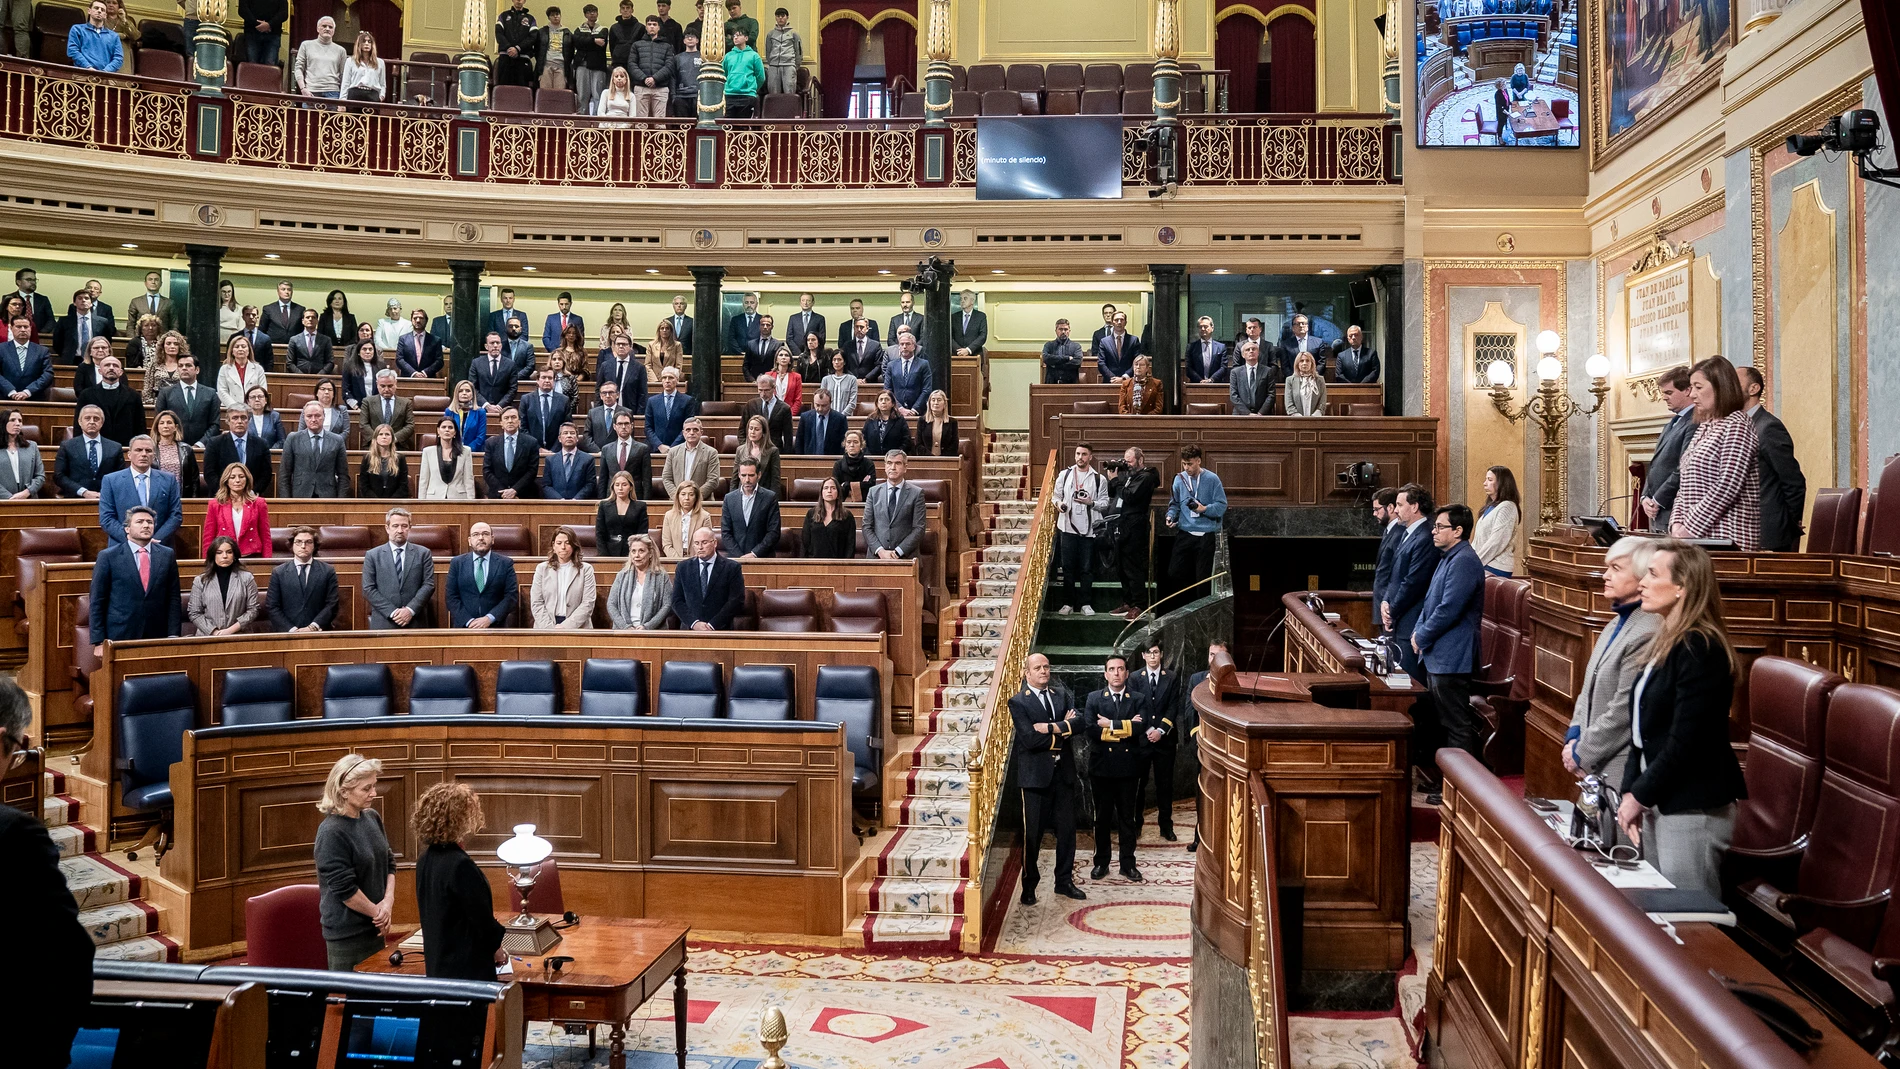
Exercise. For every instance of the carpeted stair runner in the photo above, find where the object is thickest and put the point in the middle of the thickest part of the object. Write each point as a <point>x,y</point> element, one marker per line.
<point>123,926</point>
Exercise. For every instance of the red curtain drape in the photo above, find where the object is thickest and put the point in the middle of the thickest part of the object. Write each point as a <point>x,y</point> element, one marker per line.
<point>900,55</point>
<point>1294,84</point>
<point>383,20</point>
<point>838,47</point>
<point>1883,36</point>
<point>1237,50</point>
<point>303,22</point>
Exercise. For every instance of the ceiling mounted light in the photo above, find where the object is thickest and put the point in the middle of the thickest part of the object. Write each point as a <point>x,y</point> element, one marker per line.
<point>127,245</point>
<point>526,267</point>
<point>1325,270</point>
<point>996,271</point>
<point>1108,270</point>
<point>402,263</point>
<point>653,270</point>
<point>771,272</point>
<point>272,256</point>
<point>1220,270</point>
<point>884,271</point>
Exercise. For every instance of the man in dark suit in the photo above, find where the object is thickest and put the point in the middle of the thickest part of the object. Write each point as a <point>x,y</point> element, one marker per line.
<point>1045,720</point>
<point>150,303</point>
<point>1206,357</point>
<point>443,326</point>
<point>907,376</point>
<point>302,594</point>
<point>1108,326</point>
<point>499,319</point>
<point>1118,722</point>
<point>1660,480</point>
<point>1446,636</point>
<point>315,461</point>
<point>863,356</point>
<point>969,328</point>
<point>239,445</point>
<point>1253,385</point>
<point>124,409</point>
<point>743,327</point>
<point>559,320</point>
<point>1411,574</point>
<point>263,346</point>
<point>99,305</point>
<point>1161,689</point>
<point>195,404</point>
<point>385,407</point>
<point>1255,331</point>
<point>626,372</point>
<point>1391,535</point>
<point>570,475</point>
<point>135,586</point>
<point>708,589</point>
<point>280,319</point>
<point>26,368</point>
<point>544,411</point>
<point>907,318</point>
<point>1354,360</point>
<point>87,457</point>
<point>748,519</point>
<point>600,418</point>
<point>682,324</point>
<point>1784,490</point>
<point>624,452</point>
<point>26,283</point>
<point>78,327</point>
<point>1302,341</point>
<point>1116,351</point>
<point>139,485</point>
<point>497,378</point>
<point>420,353</point>
<point>803,322</point>
<point>761,351</point>
<point>820,430</point>
<point>778,414</point>
<point>399,578</point>
<point>309,351</point>
<point>668,411</point>
<point>481,587</point>
<point>511,460</point>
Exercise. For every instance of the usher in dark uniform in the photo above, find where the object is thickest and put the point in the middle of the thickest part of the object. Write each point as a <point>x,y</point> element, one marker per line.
<point>1161,689</point>
<point>1121,752</point>
<point>1045,769</point>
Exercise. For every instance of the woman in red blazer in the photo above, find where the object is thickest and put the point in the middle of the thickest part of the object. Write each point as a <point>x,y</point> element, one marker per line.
<point>237,511</point>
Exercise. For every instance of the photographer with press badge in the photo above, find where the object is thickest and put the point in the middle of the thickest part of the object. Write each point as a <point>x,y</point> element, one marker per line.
<point>1131,491</point>
<point>1196,504</point>
<point>1082,501</point>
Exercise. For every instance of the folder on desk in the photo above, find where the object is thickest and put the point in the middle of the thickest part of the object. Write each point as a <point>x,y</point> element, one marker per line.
<point>1679,904</point>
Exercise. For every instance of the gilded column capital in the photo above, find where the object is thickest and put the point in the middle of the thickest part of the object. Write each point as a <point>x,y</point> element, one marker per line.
<point>1167,42</point>
<point>937,36</point>
<point>475,26</point>
<point>712,35</point>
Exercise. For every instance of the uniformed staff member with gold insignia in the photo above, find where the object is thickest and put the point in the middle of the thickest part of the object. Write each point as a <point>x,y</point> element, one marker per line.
<point>1121,720</point>
<point>1161,689</point>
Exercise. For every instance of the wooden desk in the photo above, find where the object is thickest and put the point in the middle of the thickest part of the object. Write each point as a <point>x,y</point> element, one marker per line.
<point>619,963</point>
<point>1047,401</point>
<point>1533,119</point>
<point>1316,644</point>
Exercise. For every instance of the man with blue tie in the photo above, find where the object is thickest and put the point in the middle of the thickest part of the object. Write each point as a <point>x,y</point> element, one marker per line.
<point>743,329</point>
<point>87,457</point>
<point>708,589</point>
<point>749,518</point>
<point>820,430</point>
<point>1404,595</point>
<point>570,471</point>
<point>1446,638</point>
<point>26,368</point>
<point>499,319</point>
<point>444,325</point>
<point>544,411</point>
<point>1206,359</point>
<point>482,586</point>
<point>512,464</point>
<point>263,346</point>
<point>804,322</point>
<point>908,376</point>
<point>140,486</point>
<point>78,327</point>
<point>776,413</point>
<point>240,445</point>
<point>558,322</point>
<point>1115,353</point>
<point>668,411</point>
<point>135,587</point>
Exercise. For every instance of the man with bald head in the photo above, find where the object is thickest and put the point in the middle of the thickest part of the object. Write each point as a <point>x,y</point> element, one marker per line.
<point>314,463</point>
<point>1045,717</point>
<point>482,588</point>
<point>708,589</point>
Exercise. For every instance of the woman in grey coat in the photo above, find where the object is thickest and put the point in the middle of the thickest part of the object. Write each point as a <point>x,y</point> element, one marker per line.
<point>642,594</point>
<point>224,597</point>
<point>1598,742</point>
<point>21,472</point>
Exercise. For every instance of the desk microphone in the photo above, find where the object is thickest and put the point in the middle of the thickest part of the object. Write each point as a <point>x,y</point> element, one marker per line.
<point>396,956</point>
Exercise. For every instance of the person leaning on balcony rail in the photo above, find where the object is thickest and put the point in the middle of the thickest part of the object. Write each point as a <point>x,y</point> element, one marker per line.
<point>318,70</point>
<point>94,46</point>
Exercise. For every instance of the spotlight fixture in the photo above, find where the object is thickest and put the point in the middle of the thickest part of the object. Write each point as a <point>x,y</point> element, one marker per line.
<point>127,245</point>
<point>272,256</point>
<point>1326,271</point>
<point>1108,270</point>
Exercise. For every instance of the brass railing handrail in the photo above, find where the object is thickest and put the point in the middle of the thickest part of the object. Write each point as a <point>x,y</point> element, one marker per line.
<point>1266,962</point>
<point>996,734</point>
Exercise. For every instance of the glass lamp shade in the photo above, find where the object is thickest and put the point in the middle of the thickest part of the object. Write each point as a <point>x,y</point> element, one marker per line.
<point>1598,366</point>
<point>1549,369</point>
<point>525,849</point>
<point>1499,373</point>
<point>1548,342</point>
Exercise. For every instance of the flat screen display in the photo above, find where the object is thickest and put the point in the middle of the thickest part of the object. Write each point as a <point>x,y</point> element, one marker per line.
<point>382,1041</point>
<point>1049,157</point>
<point>1497,74</point>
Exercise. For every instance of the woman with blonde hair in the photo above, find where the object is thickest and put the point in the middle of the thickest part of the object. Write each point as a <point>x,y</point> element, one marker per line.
<point>616,320</point>
<point>1305,391</point>
<point>616,101</point>
<point>563,593</point>
<point>642,593</point>
<point>619,518</point>
<point>787,383</point>
<point>237,512</point>
<point>446,473</point>
<point>1681,781</point>
<point>469,414</point>
<point>685,517</point>
<point>363,77</point>
<point>143,345</point>
<point>936,431</point>
<point>757,446</point>
<point>239,374</point>
<point>173,455</point>
<point>385,471</point>
<point>665,352</point>
<point>460,935</point>
<point>356,870</point>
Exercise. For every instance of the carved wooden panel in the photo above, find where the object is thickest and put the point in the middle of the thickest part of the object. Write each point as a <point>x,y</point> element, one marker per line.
<point>1333,841</point>
<point>708,821</point>
<point>568,811</point>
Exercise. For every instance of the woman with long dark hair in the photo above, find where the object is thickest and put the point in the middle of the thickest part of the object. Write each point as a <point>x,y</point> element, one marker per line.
<point>446,473</point>
<point>336,320</point>
<point>1681,781</point>
<point>831,531</point>
<point>1496,536</point>
<point>224,597</point>
<point>22,473</point>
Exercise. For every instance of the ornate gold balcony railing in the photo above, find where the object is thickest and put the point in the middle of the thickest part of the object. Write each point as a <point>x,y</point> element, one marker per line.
<point>55,105</point>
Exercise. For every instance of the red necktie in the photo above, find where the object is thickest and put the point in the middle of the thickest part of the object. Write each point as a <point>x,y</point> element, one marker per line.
<point>145,568</point>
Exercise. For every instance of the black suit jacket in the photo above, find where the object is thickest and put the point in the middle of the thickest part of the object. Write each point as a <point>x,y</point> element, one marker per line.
<point>1111,364</point>
<point>309,357</point>
<point>1044,760</point>
<point>272,320</point>
<point>1416,559</point>
<point>1784,490</point>
<point>122,608</point>
<point>809,441</point>
<point>1266,393</point>
<point>1121,748</point>
<point>761,355</point>
<point>717,603</point>
<point>295,604</point>
<point>66,334</point>
<point>73,474</point>
<point>758,537</point>
<point>639,466</point>
<point>428,361</point>
<point>799,324</point>
<point>739,332</point>
<point>59,947</point>
<point>546,431</point>
<point>200,417</point>
<point>221,452</point>
<point>1388,561</point>
<point>41,308</point>
<point>1686,761</point>
<point>458,915</point>
<point>778,424</point>
<point>975,339</point>
<point>1164,703</point>
<point>847,336</point>
<point>524,477</point>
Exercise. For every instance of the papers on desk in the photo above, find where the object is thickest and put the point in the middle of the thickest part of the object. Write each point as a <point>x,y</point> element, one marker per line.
<point>1330,617</point>
<point>413,943</point>
<point>1643,877</point>
<point>1399,681</point>
<point>506,970</point>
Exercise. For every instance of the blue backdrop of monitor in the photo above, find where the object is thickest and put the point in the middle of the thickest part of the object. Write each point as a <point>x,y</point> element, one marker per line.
<point>1049,157</point>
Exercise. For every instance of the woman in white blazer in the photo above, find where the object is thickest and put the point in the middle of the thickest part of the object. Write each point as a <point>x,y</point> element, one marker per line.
<point>642,593</point>
<point>1305,391</point>
<point>448,468</point>
<point>563,593</point>
<point>224,597</point>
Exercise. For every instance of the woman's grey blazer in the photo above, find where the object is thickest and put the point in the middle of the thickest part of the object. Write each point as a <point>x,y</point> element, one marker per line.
<point>32,473</point>
<point>210,613</point>
<point>1602,711</point>
<point>657,601</point>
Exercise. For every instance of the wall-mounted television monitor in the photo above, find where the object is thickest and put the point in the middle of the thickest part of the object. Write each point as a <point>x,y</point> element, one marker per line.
<point>1049,157</point>
<point>1498,73</point>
